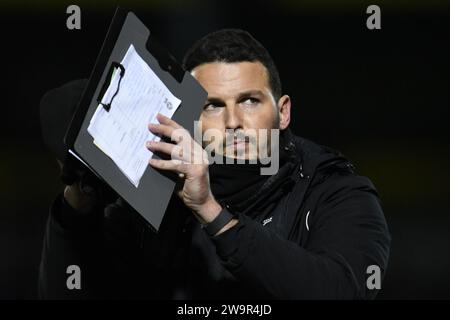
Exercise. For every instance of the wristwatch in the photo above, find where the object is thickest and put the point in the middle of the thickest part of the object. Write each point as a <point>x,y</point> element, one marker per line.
<point>219,222</point>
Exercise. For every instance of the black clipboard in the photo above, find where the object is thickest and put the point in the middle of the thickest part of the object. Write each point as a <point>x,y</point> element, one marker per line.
<point>152,196</point>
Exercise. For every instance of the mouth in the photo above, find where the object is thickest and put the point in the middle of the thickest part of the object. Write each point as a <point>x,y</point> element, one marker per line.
<point>238,142</point>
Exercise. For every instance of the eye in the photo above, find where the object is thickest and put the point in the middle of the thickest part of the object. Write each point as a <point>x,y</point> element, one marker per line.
<point>250,101</point>
<point>210,106</point>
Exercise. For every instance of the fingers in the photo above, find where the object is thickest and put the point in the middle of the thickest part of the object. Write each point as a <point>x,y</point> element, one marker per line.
<point>170,165</point>
<point>160,129</point>
<point>167,127</point>
<point>170,128</point>
<point>185,149</point>
<point>175,134</point>
<point>167,121</point>
<point>175,151</point>
<point>193,154</point>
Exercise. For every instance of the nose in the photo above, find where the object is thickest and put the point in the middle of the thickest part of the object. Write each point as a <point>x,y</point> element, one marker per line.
<point>233,118</point>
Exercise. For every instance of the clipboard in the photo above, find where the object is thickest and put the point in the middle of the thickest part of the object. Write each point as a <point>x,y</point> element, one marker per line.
<point>155,189</point>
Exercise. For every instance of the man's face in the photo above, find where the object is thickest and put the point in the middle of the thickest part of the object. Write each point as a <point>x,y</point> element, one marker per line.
<point>239,103</point>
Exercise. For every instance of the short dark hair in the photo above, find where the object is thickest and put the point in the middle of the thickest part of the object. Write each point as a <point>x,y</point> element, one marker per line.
<point>232,45</point>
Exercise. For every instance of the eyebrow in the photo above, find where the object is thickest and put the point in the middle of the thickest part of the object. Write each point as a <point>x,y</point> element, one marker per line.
<point>241,95</point>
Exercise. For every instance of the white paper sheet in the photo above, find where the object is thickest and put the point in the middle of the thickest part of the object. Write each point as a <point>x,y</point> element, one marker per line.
<point>122,132</point>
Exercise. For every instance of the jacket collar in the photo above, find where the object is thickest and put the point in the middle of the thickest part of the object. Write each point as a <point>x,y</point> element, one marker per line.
<point>304,160</point>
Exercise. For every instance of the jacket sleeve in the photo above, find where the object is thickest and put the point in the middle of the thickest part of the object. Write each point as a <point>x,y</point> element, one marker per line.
<point>114,250</point>
<point>103,244</point>
<point>70,240</point>
<point>347,234</point>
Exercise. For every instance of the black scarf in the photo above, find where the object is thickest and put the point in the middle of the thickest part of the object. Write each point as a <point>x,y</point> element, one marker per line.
<point>240,185</point>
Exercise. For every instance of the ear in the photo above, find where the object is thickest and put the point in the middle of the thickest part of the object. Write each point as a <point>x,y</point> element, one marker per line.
<point>284,111</point>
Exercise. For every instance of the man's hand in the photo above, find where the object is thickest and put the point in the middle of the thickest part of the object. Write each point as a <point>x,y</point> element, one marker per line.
<point>78,200</point>
<point>190,160</point>
<point>75,197</point>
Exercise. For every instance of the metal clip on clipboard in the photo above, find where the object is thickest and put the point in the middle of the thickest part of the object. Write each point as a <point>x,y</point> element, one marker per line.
<point>107,83</point>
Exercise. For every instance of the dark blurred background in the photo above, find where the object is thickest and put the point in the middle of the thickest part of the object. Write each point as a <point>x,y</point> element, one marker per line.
<point>382,97</point>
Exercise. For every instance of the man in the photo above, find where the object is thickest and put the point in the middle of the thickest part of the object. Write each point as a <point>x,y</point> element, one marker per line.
<point>309,231</point>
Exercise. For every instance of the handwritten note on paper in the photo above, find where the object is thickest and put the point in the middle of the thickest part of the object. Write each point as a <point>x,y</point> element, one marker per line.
<point>122,132</point>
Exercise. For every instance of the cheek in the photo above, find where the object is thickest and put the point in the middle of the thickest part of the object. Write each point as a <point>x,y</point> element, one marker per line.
<point>209,123</point>
<point>264,118</point>
<point>212,126</point>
